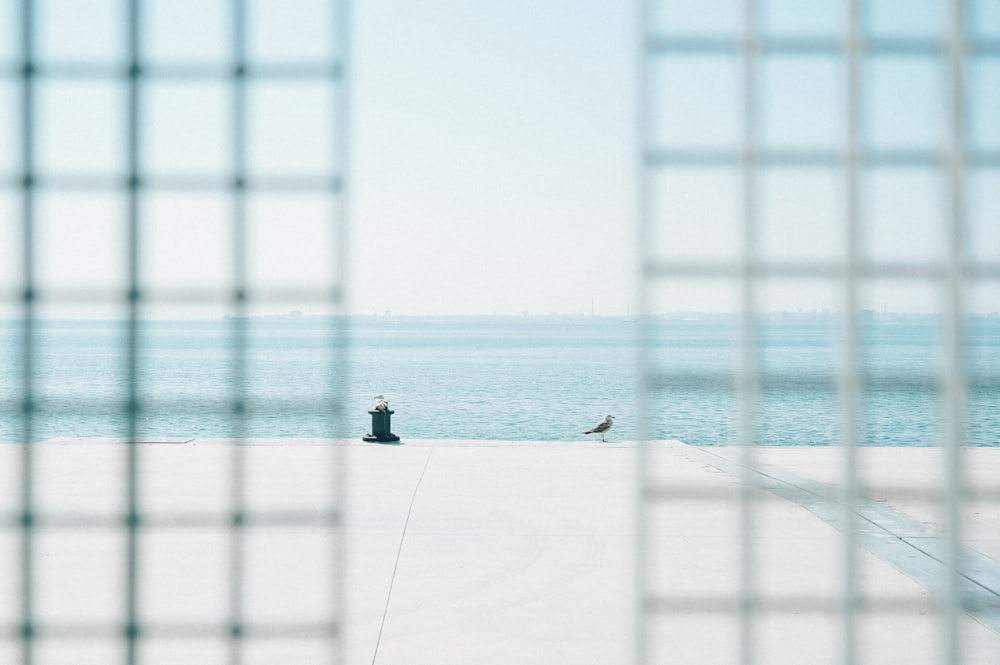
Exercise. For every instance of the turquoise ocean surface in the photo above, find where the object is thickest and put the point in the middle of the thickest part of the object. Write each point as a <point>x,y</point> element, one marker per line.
<point>516,378</point>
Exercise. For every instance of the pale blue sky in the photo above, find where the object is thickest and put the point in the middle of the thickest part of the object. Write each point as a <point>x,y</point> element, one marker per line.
<point>492,154</point>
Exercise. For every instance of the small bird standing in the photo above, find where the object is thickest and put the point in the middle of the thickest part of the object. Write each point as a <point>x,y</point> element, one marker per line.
<point>602,427</point>
<point>380,403</point>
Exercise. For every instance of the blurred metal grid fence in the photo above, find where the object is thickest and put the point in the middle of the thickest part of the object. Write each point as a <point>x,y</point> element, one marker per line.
<point>739,51</point>
<point>133,75</point>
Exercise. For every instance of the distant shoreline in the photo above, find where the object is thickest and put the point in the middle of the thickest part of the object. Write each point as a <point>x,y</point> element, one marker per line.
<point>866,316</point>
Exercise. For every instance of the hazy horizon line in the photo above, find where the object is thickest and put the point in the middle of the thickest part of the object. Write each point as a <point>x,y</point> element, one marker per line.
<point>680,314</point>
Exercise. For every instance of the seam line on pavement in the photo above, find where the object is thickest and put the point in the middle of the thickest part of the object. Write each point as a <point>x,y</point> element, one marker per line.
<point>399,552</point>
<point>979,596</point>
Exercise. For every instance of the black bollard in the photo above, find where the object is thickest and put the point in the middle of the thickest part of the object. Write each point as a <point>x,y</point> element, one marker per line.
<point>381,427</point>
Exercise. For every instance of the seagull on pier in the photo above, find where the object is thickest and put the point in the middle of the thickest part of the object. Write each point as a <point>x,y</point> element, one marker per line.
<point>602,427</point>
<point>380,403</point>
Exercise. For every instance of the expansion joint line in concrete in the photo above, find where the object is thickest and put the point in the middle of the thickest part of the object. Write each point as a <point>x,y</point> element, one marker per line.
<point>399,552</point>
<point>881,529</point>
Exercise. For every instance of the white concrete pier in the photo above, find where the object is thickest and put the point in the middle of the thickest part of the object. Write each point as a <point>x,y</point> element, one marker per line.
<point>486,552</point>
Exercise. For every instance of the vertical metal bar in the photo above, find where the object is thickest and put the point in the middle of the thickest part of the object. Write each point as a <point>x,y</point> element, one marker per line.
<point>237,539</point>
<point>954,379</point>
<point>341,15</point>
<point>747,372</point>
<point>341,72</point>
<point>28,332</point>
<point>849,376</point>
<point>133,184</point>
<point>643,332</point>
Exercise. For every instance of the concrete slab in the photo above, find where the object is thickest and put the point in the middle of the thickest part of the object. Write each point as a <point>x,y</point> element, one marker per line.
<point>900,565</point>
<point>515,554</point>
<point>489,551</point>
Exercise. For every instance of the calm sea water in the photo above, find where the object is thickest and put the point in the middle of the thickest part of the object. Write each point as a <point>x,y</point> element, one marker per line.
<point>489,378</point>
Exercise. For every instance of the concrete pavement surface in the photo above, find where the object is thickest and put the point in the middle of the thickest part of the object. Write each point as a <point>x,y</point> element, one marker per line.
<point>489,552</point>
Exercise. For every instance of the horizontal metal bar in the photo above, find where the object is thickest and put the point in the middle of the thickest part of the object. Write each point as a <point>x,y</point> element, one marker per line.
<point>65,521</point>
<point>907,158</point>
<point>983,271</point>
<point>704,157</point>
<point>667,382</point>
<point>317,403</point>
<point>663,604</point>
<point>716,493</point>
<point>193,72</point>
<point>905,46</point>
<point>805,45</point>
<point>795,158</point>
<point>249,630</point>
<point>158,521</point>
<point>251,183</point>
<point>316,70</point>
<point>189,404</point>
<point>654,158</point>
<point>777,382</point>
<point>154,296</point>
<point>66,630</point>
<point>654,493</point>
<point>655,44</point>
<point>664,268</point>
<point>693,45</point>
<point>665,157</point>
<point>894,270</point>
<point>931,495</point>
<point>987,159</point>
